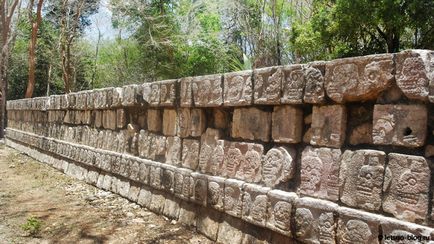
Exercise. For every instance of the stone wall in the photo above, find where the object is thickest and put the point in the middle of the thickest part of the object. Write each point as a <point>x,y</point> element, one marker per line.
<point>325,152</point>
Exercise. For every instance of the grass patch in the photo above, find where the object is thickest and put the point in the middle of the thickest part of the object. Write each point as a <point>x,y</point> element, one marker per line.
<point>32,226</point>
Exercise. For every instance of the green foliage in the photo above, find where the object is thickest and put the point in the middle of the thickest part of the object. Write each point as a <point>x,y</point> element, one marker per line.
<point>32,226</point>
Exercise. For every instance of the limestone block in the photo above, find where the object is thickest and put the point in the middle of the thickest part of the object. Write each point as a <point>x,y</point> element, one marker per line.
<point>238,89</point>
<point>192,122</point>
<point>145,197</point>
<point>103,98</point>
<point>278,166</point>
<point>328,125</point>
<point>98,118</point>
<point>174,149</point>
<point>121,118</point>
<point>157,202</point>
<point>251,123</point>
<point>216,186</point>
<point>184,119</point>
<point>243,161</point>
<point>151,93</point>
<point>168,178</point>
<point>207,91</point>
<point>63,100</point>
<point>293,84</point>
<point>117,97</point>
<point>200,188</point>
<point>357,227</point>
<point>92,177</point>
<point>208,142</point>
<point>90,101</point>
<point>220,118</point>
<point>255,204</point>
<point>359,78</point>
<point>415,74</point>
<point>109,119</point>
<point>187,185</point>
<point>400,125</point>
<point>320,173</point>
<point>157,148</point>
<point>186,95</point>
<point>230,231</point>
<point>287,124</point>
<point>280,207</point>
<point>361,178</point>
<point>130,95</point>
<point>154,120</point>
<point>144,172</point>
<point>187,214</point>
<point>361,134</point>
<point>133,194</point>
<point>406,187</point>
<point>406,232</point>
<point>171,207</point>
<point>267,85</point>
<point>314,221</point>
<point>208,222</point>
<point>314,91</point>
<point>168,92</point>
<point>178,179</point>
<point>155,175</point>
<point>233,197</point>
<point>190,153</point>
<point>170,122</point>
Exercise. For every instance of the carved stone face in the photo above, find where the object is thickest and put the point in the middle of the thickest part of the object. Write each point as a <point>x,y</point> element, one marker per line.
<point>163,92</point>
<point>216,159</point>
<point>282,215</point>
<point>273,86</point>
<point>235,87</point>
<point>294,84</point>
<point>234,157</point>
<point>187,186</point>
<point>345,78</point>
<point>205,154</point>
<point>326,228</point>
<point>356,231</point>
<point>413,71</point>
<point>214,193</point>
<point>383,128</point>
<point>259,208</point>
<point>252,164</point>
<point>178,182</point>
<point>314,81</point>
<point>200,190</point>
<point>155,94</point>
<point>304,223</point>
<point>311,173</point>
<point>369,177</point>
<point>272,166</point>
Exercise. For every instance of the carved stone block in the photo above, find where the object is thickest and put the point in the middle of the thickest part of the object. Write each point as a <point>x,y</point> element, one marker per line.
<point>361,178</point>
<point>208,222</point>
<point>216,188</point>
<point>151,93</point>
<point>186,99</point>
<point>192,122</point>
<point>404,232</point>
<point>174,149</point>
<point>144,172</point>
<point>320,173</point>
<point>415,74</point>
<point>328,125</point>
<point>168,178</point>
<point>187,185</point>
<point>243,161</point>
<point>207,91</point>
<point>157,148</point>
<point>267,85</point>
<point>314,80</point>
<point>168,92</point>
<point>145,197</point>
<point>121,118</point>
<point>157,202</point>
<point>293,84</point>
<point>117,97</point>
<point>200,188</point>
<point>278,166</point>
<point>171,207</point>
<point>190,153</point>
<point>358,79</point>
<point>255,204</point>
<point>314,221</point>
<point>287,124</point>
<point>399,125</point>
<point>187,213</point>
<point>155,175</point>
<point>154,120</point>
<point>130,94</point>
<point>238,89</point>
<point>233,197</point>
<point>170,122</point>
<point>251,123</point>
<point>406,187</point>
<point>208,146</point>
<point>356,226</point>
<point>109,119</point>
<point>280,207</point>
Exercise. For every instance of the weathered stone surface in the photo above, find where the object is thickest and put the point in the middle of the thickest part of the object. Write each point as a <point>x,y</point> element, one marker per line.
<point>117,97</point>
<point>280,207</point>
<point>267,85</point>
<point>192,122</point>
<point>255,204</point>
<point>207,91</point>
<point>230,231</point>
<point>233,197</point>
<point>145,197</point>
<point>278,166</point>
<point>328,125</point>
<point>251,123</point>
<point>170,122</point>
<point>154,120</point>
<point>429,151</point>
<point>216,187</point>
<point>130,95</point>
<point>320,173</point>
<point>361,134</point>
<point>243,161</point>
<point>314,221</point>
<point>200,188</point>
<point>406,232</point>
<point>151,93</point>
<point>406,187</point>
<point>357,227</point>
<point>155,175</point>
<point>208,144</point>
<point>173,151</point>
<point>415,74</point>
<point>186,99</point>
<point>187,214</point>
<point>187,185</point>
<point>134,192</point>
<point>168,177</point>
<point>121,118</point>
<point>109,119</point>
<point>287,124</point>
<point>361,178</point>
<point>292,84</point>
<point>358,79</point>
<point>171,207</point>
<point>157,202</point>
<point>238,89</point>
<point>190,153</point>
<point>399,125</point>
<point>208,222</point>
<point>168,92</point>
<point>157,148</point>
<point>314,79</point>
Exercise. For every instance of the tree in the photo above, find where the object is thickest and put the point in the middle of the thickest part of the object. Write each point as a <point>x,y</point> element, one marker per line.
<point>32,45</point>
<point>7,11</point>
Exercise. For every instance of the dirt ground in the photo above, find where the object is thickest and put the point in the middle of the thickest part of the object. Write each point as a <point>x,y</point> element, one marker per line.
<point>70,211</point>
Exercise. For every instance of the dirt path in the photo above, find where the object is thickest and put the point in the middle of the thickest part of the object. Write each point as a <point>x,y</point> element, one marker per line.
<point>71,211</point>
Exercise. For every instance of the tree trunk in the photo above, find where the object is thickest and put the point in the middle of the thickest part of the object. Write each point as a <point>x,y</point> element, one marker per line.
<point>32,51</point>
